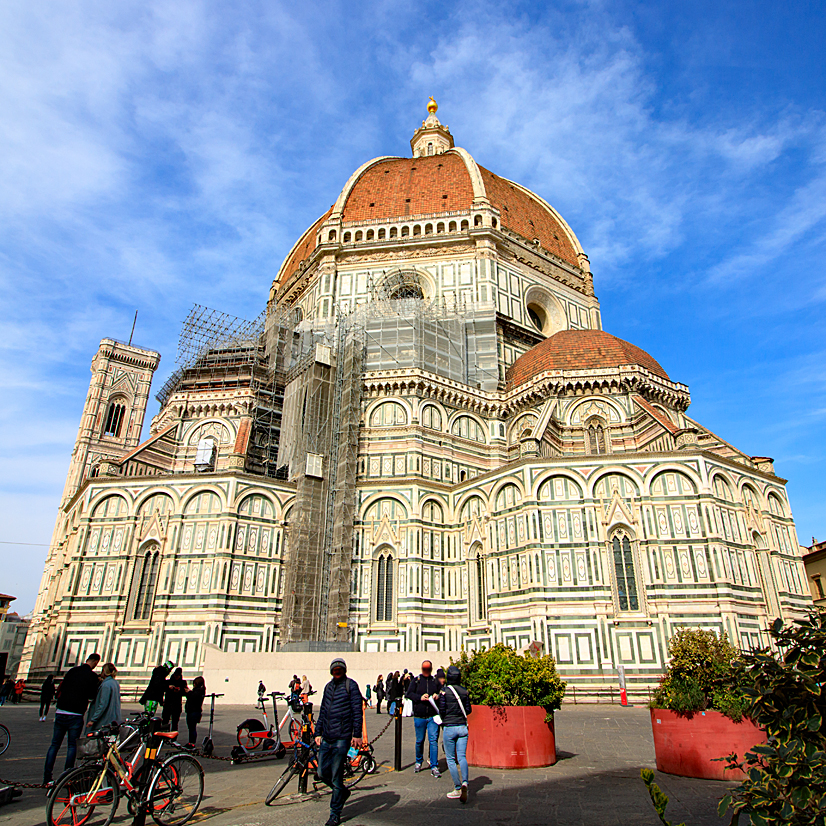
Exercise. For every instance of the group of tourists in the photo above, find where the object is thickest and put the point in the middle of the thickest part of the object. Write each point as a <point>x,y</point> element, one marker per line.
<point>169,689</point>
<point>439,703</point>
<point>11,690</point>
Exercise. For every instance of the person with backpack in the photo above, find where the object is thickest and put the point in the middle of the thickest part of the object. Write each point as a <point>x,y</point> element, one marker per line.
<point>79,686</point>
<point>156,690</point>
<point>379,689</point>
<point>6,689</point>
<point>19,688</point>
<point>454,707</point>
<point>420,691</point>
<point>46,696</point>
<point>106,708</point>
<point>338,727</point>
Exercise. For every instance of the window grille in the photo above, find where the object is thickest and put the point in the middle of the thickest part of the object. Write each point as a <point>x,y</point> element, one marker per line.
<point>625,574</point>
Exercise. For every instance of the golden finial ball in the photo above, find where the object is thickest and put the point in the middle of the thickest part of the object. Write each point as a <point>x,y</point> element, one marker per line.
<point>432,106</point>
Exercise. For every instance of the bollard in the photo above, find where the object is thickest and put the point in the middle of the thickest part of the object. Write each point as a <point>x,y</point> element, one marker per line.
<point>574,687</point>
<point>397,764</point>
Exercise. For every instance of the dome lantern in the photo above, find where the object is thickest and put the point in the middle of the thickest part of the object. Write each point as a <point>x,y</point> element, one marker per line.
<point>431,138</point>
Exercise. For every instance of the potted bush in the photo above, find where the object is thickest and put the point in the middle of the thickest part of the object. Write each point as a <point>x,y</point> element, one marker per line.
<point>698,710</point>
<point>514,697</point>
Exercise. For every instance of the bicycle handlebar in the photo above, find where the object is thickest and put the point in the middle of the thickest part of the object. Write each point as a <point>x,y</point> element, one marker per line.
<point>214,695</point>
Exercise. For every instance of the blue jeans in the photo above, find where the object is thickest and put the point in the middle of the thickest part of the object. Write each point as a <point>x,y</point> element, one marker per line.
<point>331,757</point>
<point>71,724</point>
<point>455,740</point>
<point>427,724</point>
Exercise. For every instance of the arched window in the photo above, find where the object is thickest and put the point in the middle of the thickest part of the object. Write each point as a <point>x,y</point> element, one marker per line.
<point>369,234</point>
<point>417,230</point>
<point>440,228</point>
<point>114,420</point>
<point>431,417</point>
<point>595,437</point>
<point>95,472</point>
<point>388,414</point>
<point>347,237</point>
<point>143,584</point>
<point>384,588</point>
<point>465,225</point>
<point>405,232</point>
<point>480,612</point>
<point>382,234</point>
<point>332,235</point>
<point>624,572</point>
<point>358,236</point>
<point>432,512</point>
<point>477,221</point>
<point>468,428</point>
<point>394,232</point>
<point>428,229</point>
<point>451,227</point>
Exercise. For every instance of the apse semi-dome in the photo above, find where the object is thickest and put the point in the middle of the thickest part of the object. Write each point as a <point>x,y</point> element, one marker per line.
<point>580,350</point>
<point>440,190</point>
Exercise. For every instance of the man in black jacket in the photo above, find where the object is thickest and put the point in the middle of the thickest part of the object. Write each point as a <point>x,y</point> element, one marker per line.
<point>421,690</point>
<point>79,686</point>
<point>339,725</point>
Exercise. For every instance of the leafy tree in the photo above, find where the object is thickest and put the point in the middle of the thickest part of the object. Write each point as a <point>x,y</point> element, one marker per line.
<point>499,676</point>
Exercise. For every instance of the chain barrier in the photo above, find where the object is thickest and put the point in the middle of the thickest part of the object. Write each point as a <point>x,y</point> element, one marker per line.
<point>18,785</point>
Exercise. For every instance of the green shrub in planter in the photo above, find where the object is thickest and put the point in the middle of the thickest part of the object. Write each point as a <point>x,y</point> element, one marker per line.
<point>705,671</point>
<point>499,676</point>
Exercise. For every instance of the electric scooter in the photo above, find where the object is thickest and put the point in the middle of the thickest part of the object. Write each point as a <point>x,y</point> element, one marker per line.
<point>251,734</point>
<point>208,746</point>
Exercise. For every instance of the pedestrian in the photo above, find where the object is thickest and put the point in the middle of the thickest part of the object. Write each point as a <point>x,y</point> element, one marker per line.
<point>106,708</point>
<point>46,696</point>
<point>338,727</point>
<point>442,678</point>
<point>155,691</point>
<point>306,688</point>
<point>262,690</point>
<point>6,689</point>
<point>19,688</point>
<point>420,691</point>
<point>379,689</point>
<point>295,684</point>
<point>367,692</point>
<point>173,700</point>
<point>79,686</point>
<point>194,708</point>
<point>454,707</point>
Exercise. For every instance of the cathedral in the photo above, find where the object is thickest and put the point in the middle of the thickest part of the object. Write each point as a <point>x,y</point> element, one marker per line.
<point>426,442</point>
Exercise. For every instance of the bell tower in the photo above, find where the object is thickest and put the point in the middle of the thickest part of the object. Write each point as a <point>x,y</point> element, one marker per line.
<point>115,407</point>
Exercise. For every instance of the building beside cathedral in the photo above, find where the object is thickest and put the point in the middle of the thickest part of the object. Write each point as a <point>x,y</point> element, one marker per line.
<point>427,441</point>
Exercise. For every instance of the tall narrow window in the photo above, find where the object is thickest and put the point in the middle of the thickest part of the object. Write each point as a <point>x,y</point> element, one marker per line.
<point>144,582</point>
<point>114,420</point>
<point>481,595</point>
<point>595,436</point>
<point>384,589</point>
<point>625,575</point>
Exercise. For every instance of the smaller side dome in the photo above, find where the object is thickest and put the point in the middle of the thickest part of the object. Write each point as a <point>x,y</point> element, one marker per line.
<point>580,350</point>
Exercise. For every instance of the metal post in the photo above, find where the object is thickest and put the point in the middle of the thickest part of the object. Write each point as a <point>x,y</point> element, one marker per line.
<point>574,688</point>
<point>397,765</point>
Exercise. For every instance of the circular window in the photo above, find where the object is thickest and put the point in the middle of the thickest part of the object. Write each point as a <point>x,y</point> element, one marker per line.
<point>405,284</point>
<point>544,311</point>
<point>537,316</point>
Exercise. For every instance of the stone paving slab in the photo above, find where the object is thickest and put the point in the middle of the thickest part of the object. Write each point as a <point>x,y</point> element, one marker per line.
<point>596,781</point>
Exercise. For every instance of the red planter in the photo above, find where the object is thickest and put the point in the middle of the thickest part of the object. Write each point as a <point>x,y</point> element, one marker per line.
<point>510,737</point>
<point>687,746</point>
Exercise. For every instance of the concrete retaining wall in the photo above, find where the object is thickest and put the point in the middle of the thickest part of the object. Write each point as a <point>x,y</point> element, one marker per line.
<point>236,675</point>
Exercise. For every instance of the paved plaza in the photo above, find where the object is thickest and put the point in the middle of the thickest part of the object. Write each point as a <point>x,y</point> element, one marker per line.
<point>596,780</point>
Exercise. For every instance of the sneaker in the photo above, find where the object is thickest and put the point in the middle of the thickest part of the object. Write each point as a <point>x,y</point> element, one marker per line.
<point>435,772</point>
<point>333,821</point>
<point>463,796</point>
<point>455,794</point>
<point>417,768</point>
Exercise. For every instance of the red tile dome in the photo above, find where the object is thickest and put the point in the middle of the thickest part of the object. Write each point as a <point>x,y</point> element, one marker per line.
<point>402,189</point>
<point>580,350</point>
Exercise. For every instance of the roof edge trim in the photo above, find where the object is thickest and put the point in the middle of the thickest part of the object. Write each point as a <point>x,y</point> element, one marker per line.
<point>312,228</point>
<point>479,191</point>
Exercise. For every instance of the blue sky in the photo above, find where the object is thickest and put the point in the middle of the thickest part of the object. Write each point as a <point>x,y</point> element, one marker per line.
<point>157,154</point>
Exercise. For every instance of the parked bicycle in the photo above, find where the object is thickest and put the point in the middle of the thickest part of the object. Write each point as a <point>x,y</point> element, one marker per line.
<point>5,738</point>
<point>252,733</point>
<point>170,790</point>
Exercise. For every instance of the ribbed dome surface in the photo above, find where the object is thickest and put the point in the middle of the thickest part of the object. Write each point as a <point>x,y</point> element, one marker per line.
<point>407,188</point>
<point>580,350</point>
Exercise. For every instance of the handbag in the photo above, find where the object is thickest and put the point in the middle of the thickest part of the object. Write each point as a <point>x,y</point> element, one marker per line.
<point>407,707</point>
<point>459,700</point>
<point>437,718</point>
<point>91,747</point>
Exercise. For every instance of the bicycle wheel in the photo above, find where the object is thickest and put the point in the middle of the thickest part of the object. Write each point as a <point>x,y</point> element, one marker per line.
<point>291,770</point>
<point>245,735</point>
<point>73,803</point>
<point>367,764</point>
<point>5,738</point>
<point>295,731</point>
<point>176,790</point>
